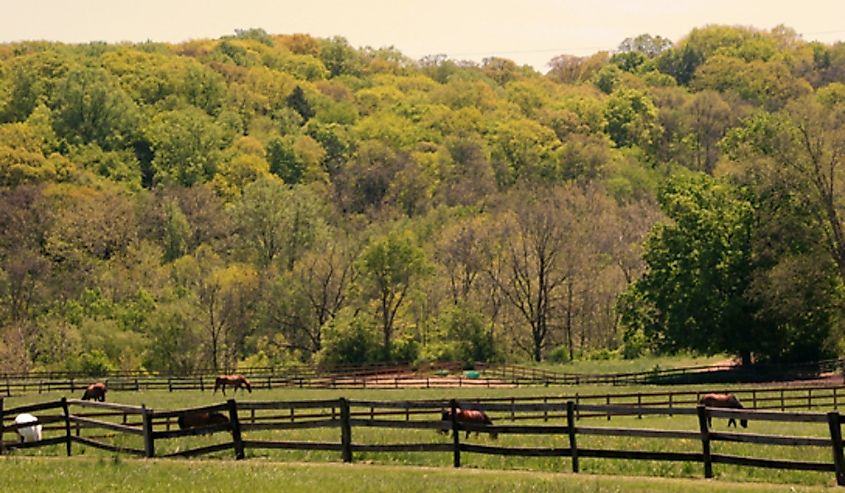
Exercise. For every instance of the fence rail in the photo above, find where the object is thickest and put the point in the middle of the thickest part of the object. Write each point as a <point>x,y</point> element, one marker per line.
<point>405,376</point>
<point>348,415</point>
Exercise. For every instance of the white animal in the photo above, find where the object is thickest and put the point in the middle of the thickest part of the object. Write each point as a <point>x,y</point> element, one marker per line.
<point>28,433</point>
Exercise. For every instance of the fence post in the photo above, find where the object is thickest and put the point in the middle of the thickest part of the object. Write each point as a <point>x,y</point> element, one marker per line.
<point>2,417</point>
<point>169,384</point>
<point>705,441</point>
<point>202,387</point>
<point>67,425</point>
<point>149,441</point>
<point>607,402</point>
<point>639,405</point>
<point>834,423</point>
<point>782,404</point>
<point>456,440</point>
<point>570,428</point>
<point>237,441</point>
<point>345,431</point>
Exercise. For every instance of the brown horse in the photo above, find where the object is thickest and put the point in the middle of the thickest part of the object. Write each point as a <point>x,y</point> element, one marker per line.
<point>728,401</point>
<point>468,416</point>
<point>236,381</point>
<point>95,391</point>
<point>200,419</point>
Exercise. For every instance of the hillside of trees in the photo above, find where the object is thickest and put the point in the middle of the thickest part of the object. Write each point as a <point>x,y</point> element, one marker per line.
<point>261,199</point>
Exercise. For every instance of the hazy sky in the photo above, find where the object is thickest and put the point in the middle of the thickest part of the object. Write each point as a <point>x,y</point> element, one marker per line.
<point>527,31</point>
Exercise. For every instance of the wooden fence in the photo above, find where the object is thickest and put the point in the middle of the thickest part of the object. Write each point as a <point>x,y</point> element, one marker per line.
<point>347,416</point>
<point>384,376</point>
<point>14,387</point>
<point>295,370</point>
<point>719,373</point>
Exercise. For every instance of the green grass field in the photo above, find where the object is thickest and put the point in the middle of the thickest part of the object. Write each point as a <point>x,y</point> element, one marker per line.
<point>166,401</point>
<point>48,475</point>
<point>645,363</point>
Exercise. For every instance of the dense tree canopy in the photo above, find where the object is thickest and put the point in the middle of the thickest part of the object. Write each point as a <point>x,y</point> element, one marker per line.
<point>265,198</point>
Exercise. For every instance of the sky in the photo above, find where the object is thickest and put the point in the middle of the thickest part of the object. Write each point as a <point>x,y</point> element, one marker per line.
<point>527,31</point>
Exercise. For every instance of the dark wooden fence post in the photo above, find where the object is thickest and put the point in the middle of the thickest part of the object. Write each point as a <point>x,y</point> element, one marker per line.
<point>149,440</point>
<point>834,423</point>
<point>67,426</point>
<point>570,425</point>
<point>705,441</point>
<point>345,430</point>
<point>456,440</point>
<point>237,441</point>
<point>2,417</point>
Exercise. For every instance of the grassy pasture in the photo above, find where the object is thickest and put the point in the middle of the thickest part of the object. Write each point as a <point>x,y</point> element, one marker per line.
<point>43,475</point>
<point>364,435</point>
<point>645,363</point>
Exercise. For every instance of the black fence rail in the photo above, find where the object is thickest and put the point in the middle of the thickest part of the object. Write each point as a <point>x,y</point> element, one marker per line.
<point>150,428</point>
<point>290,370</point>
<point>722,373</point>
<point>437,375</point>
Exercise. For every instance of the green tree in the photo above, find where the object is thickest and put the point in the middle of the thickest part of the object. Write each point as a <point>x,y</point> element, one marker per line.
<point>632,120</point>
<point>698,268</point>
<point>284,162</point>
<point>297,102</point>
<point>90,107</point>
<point>389,267</point>
<point>186,146</point>
<point>277,222</point>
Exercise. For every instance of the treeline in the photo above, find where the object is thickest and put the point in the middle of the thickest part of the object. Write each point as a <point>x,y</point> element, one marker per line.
<point>261,198</point>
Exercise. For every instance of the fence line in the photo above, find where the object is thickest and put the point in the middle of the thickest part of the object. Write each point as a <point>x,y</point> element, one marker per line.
<point>389,375</point>
<point>348,415</point>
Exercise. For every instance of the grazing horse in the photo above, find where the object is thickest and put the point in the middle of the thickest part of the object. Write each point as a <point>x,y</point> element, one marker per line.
<point>95,391</point>
<point>728,401</point>
<point>28,433</point>
<point>236,381</point>
<point>200,419</point>
<point>468,416</point>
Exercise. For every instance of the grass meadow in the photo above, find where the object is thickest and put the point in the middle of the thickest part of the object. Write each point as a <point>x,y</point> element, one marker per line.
<point>114,475</point>
<point>263,464</point>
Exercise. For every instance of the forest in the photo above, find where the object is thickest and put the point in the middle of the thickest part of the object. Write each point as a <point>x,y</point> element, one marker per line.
<point>266,199</point>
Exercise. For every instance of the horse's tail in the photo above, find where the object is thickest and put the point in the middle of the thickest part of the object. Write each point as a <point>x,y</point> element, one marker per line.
<point>181,421</point>
<point>248,385</point>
